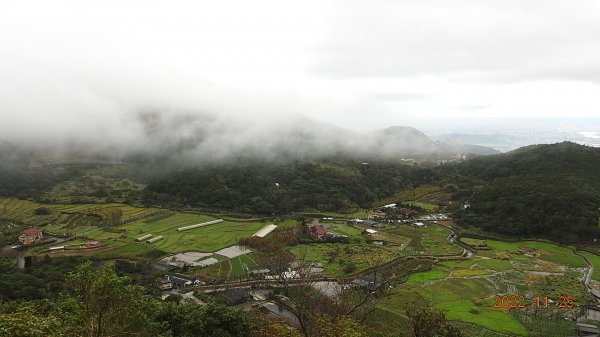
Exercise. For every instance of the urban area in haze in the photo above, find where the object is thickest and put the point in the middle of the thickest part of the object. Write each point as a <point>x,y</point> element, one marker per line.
<point>316,168</point>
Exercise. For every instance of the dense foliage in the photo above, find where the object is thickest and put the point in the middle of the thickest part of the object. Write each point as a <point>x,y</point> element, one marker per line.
<point>546,191</point>
<point>98,302</point>
<point>45,280</point>
<point>268,188</point>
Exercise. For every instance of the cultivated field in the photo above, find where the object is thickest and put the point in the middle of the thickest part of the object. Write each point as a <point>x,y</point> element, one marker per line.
<point>465,289</point>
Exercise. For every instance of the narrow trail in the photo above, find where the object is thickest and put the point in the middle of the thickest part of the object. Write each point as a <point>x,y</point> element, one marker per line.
<point>588,276</point>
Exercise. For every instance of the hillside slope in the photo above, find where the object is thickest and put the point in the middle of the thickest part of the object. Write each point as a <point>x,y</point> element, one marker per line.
<point>548,191</point>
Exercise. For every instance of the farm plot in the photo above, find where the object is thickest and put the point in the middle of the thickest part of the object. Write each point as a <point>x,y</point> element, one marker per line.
<point>430,240</point>
<point>462,299</point>
<point>204,239</point>
<point>169,224</point>
<point>465,289</point>
<point>22,211</point>
<point>542,250</point>
<point>344,229</point>
<point>595,260</point>
<point>343,259</point>
<point>239,266</point>
<point>410,194</point>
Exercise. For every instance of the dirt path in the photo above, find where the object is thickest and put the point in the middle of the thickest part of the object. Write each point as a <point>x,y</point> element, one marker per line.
<point>588,277</point>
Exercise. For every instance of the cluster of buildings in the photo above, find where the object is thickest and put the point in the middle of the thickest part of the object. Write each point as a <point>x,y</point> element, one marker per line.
<point>320,233</point>
<point>31,235</point>
<point>174,280</point>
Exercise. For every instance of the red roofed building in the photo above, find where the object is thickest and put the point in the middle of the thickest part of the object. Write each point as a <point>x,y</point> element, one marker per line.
<point>30,235</point>
<point>317,232</point>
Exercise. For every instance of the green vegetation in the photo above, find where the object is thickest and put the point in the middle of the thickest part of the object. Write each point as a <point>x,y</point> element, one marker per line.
<point>239,266</point>
<point>204,239</point>
<point>545,191</point>
<point>337,257</point>
<point>425,206</point>
<point>410,194</point>
<point>595,261</point>
<point>540,192</point>
<point>423,277</point>
<point>341,186</point>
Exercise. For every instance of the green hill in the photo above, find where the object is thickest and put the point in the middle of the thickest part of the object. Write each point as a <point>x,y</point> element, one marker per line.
<point>542,191</point>
<point>334,185</point>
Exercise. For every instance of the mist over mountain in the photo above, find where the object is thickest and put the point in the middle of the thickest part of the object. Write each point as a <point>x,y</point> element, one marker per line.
<point>204,138</point>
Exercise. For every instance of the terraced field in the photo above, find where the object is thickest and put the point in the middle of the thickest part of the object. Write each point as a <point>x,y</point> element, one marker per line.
<point>70,218</point>
<point>465,289</point>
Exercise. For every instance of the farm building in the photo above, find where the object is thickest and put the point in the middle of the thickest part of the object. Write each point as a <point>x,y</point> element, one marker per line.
<point>317,232</point>
<point>154,239</point>
<point>371,223</point>
<point>163,267</point>
<point>258,270</point>
<point>370,231</point>
<point>265,231</point>
<point>180,280</point>
<point>181,229</point>
<point>92,243</point>
<point>144,237</point>
<point>30,235</point>
<point>165,283</point>
<point>389,206</point>
<point>236,296</point>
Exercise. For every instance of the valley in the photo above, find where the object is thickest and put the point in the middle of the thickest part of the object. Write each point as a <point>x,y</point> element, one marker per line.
<point>462,283</point>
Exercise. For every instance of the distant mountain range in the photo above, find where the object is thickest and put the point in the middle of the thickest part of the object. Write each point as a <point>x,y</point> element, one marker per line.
<point>207,140</point>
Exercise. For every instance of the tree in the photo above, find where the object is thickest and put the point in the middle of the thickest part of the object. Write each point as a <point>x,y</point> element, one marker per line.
<point>315,304</point>
<point>23,322</point>
<point>104,304</point>
<point>42,211</point>
<point>190,320</point>
<point>428,322</point>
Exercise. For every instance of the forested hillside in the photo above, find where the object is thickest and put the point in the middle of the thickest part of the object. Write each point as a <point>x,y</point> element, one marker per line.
<point>267,188</point>
<point>548,191</point>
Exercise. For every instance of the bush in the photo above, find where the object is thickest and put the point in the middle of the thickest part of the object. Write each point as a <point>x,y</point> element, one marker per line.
<point>42,211</point>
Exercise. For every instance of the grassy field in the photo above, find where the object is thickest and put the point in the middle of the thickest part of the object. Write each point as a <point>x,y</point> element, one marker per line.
<point>410,194</point>
<point>465,289</point>
<point>203,239</point>
<point>67,218</point>
<point>490,318</point>
<point>23,211</point>
<point>425,206</point>
<point>337,257</point>
<point>349,231</point>
<point>430,240</point>
<point>421,278</point>
<point>474,242</point>
<point>545,251</point>
<point>461,299</point>
<point>595,260</point>
<point>239,265</point>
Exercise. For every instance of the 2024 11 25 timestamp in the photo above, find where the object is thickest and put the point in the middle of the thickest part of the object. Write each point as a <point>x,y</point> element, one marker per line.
<point>520,302</point>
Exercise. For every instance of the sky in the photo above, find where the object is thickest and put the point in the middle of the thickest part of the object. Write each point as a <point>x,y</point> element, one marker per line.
<point>88,68</point>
